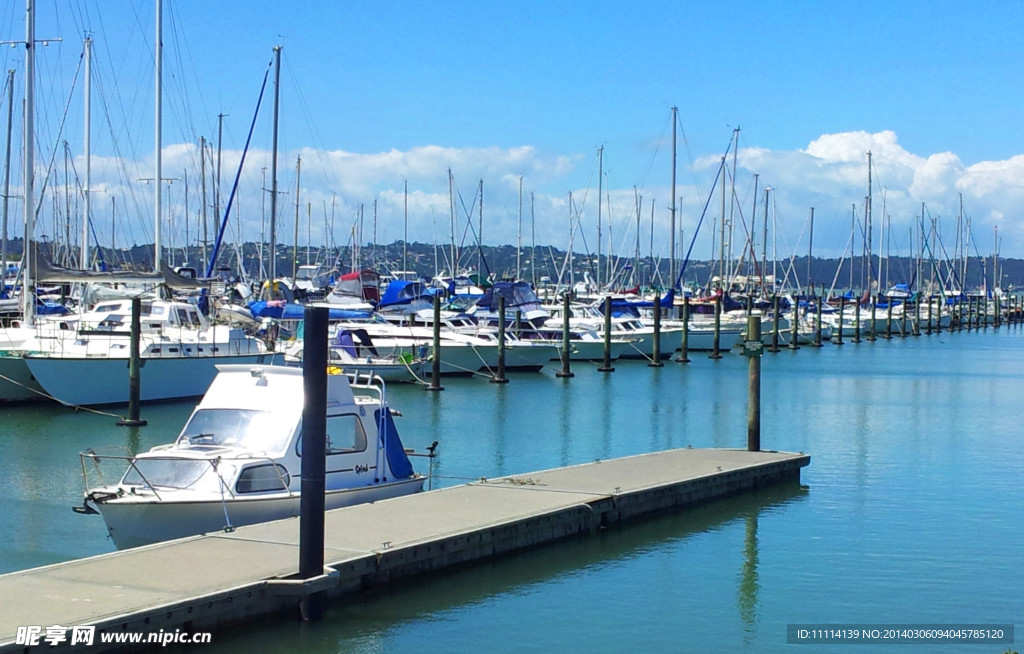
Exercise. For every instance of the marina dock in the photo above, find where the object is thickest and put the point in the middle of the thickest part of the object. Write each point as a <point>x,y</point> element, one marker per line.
<point>203,582</point>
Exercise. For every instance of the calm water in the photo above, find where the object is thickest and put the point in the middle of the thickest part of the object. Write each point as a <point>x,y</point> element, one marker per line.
<point>909,512</point>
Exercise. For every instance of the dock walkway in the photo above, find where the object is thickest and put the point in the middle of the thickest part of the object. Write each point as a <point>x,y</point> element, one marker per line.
<point>200,582</point>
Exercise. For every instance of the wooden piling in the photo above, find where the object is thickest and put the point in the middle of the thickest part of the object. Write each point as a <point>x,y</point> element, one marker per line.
<point>656,346</point>
<point>314,457</point>
<point>606,365</point>
<point>775,324</point>
<point>435,377</point>
<point>752,348</point>
<point>566,354</point>
<point>500,377</point>
<point>716,352</point>
<point>684,347</point>
<point>134,369</point>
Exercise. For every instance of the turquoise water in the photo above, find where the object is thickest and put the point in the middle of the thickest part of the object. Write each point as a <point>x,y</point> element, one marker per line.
<point>910,511</point>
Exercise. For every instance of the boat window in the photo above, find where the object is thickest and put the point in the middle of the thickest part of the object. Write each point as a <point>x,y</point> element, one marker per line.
<point>258,431</point>
<point>260,478</point>
<point>345,435</point>
<point>165,473</point>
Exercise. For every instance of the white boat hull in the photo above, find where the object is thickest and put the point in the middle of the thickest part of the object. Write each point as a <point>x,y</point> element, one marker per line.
<point>135,523</point>
<point>104,380</point>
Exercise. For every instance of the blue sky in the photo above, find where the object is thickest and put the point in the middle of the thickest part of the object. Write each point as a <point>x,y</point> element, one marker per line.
<point>374,95</point>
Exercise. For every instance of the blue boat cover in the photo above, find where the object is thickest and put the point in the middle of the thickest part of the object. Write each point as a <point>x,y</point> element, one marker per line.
<point>398,460</point>
<point>516,294</point>
<point>293,311</point>
<point>401,291</point>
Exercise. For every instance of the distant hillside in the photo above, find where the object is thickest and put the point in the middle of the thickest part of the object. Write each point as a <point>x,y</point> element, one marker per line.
<point>548,261</point>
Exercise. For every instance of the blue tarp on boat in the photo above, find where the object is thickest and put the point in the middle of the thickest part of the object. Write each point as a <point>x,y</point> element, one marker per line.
<point>294,311</point>
<point>398,460</point>
<point>516,294</point>
<point>401,292</point>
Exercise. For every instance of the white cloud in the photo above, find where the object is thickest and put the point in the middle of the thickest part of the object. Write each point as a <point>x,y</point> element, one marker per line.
<point>830,174</point>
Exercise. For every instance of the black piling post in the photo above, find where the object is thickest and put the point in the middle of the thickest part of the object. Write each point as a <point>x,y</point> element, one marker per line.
<point>888,317</point>
<point>817,319</point>
<point>134,369</point>
<point>684,347</point>
<point>794,336</point>
<point>314,457</point>
<point>566,354</point>
<point>856,322</point>
<point>842,312</point>
<point>775,324</point>
<point>435,376</point>
<point>872,333</point>
<point>500,378</point>
<point>753,348</point>
<point>606,365</point>
<point>656,346</point>
<point>716,351</point>
<point>928,326</point>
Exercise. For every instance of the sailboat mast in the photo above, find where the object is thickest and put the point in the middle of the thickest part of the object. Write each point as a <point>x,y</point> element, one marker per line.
<point>451,201</point>
<point>810,252</point>
<point>27,290</point>
<point>600,191</point>
<point>295,243</point>
<point>84,261</point>
<point>764,245</point>
<point>273,167</point>
<point>202,178</point>
<point>867,235</point>
<point>7,173</point>
<point>672,210</point>
<point>519,232</point>
<point>157,206</point>
<point>405,232</point>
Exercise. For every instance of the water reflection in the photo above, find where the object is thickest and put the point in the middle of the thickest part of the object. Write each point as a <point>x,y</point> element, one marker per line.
<point>431,606</point>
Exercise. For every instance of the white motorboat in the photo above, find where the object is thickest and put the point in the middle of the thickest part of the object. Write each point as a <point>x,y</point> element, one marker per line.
<point>238,459</point>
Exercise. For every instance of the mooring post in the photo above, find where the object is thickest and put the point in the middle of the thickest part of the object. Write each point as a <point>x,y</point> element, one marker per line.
<point>775,323</point>
<point>753,349</point>
<point>856,321</point>
<point>928,327</point>
<point>842,312</point>
<point>795,327</point>
<point>872,333</point>
<point>716,351</point>
<point>606,365</point>
<point>656,346</point>
<point>888,317</point>
<point>819,301</point>
<point>134,369</point>
<point>435,376</point>
<point>314,457</point>
<point>684,347</point>
<point>500,377</point>
<point>565,371</point>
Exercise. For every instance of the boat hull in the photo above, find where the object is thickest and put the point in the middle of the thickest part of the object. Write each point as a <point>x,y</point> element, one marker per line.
<point>76,381</point>
<point>137,523</point>
<point>16,381</point>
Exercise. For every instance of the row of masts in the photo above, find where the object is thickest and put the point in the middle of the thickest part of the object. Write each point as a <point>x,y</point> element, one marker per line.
<point>727,219</point>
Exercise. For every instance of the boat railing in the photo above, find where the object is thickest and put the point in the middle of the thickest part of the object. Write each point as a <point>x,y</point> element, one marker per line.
<point>97,458</point>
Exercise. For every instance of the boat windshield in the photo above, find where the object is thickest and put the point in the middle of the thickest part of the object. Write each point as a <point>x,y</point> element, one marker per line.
<point>257,431</point>
<point>165,473</point>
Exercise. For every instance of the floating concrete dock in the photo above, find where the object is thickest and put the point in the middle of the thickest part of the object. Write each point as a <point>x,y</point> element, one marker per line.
<point>200,583</point>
